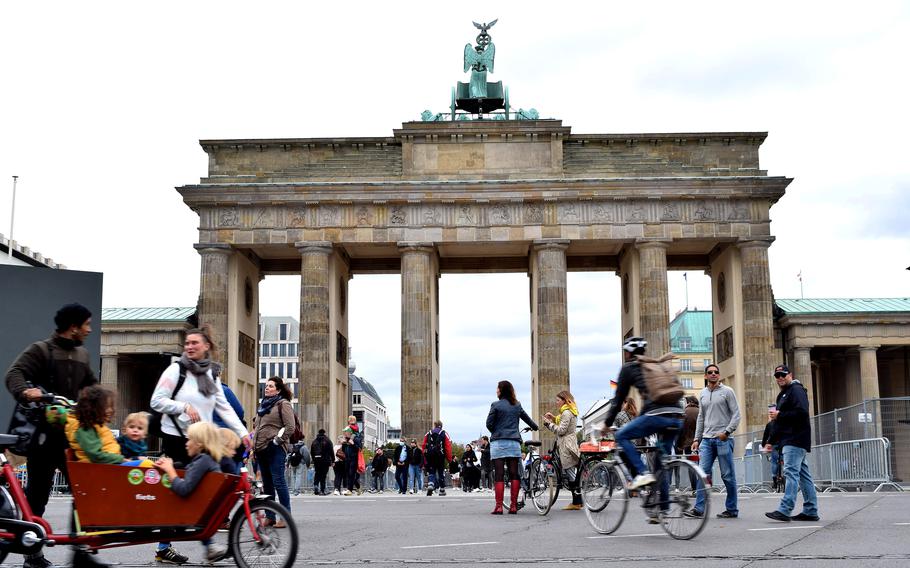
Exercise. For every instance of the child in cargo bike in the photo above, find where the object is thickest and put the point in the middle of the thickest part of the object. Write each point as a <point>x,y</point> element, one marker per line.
<point>205,448</point>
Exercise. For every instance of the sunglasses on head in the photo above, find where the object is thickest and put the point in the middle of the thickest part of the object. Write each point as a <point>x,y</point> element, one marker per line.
<point>712,372</point>
<point>779,375</point>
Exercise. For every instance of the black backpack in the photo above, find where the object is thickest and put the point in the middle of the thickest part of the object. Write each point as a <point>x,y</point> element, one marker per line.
<point>435,444</point>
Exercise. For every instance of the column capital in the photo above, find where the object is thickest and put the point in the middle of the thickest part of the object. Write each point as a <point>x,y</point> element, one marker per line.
<point>550,244</point>
<point>801,346</point>
<point>763,242</point>
<point>413,246</point>
<point>217,248</point>
<point>652,243</point>
<point>303,247</point>
<point>868,347</point>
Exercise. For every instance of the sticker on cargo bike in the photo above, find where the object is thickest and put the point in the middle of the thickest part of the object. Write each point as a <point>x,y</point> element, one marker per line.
<point>135,476</point>
<point>152,476</point>
<point>166,481</point>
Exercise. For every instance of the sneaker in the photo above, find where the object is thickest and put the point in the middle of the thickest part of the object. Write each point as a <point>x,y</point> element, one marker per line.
<point>442,491</point>
<point>280,524</point>
<point>37,562</point>
<point>653,521</point>
<point>346,492</point>
<point>215,552</point>
<point>778,516</point>
<point>429,489</point>
<point>804,517</point>
<point>336,492</point>
<point>641,480</point>
<point>693,513</point>
<point>170,556</point>
<point>727,515</point>
<point>573,507</point>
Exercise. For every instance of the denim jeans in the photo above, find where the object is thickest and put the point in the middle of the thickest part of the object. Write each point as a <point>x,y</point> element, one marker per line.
<point>437,473</point>
<point>271,463</point>
<point>379,481</point>
<point>708,450</point>
<point>415,473</point>
<point>798,478</point>
<point>775,462</point>
<point>645,426</point>
<point>401,478</point>
<point>295,478</point>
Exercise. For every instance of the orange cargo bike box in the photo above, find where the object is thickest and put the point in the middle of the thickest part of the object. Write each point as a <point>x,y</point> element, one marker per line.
<point>124,497</point>
<point>600,447</point>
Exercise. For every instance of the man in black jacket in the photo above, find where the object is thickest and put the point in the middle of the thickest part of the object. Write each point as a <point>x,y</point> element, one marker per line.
<point>322,452</point>
<point>59,365</point>
<point>792,433</point>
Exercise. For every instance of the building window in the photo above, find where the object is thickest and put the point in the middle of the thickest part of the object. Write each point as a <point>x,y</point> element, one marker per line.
<point>262,370</point>
<point>271,369</point>
<point>707,362</point>
<point>686,382</point>
<point>274,349</point>
<point>292,350</point>
<point>265,349</point>
<point>685,343</point>
<point>283,332</point>
<point>685,365</point>
<point>281,370</point>
<point>283,350</point>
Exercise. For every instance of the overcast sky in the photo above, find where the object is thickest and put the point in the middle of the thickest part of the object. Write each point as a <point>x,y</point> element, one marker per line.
<point>102,105</point>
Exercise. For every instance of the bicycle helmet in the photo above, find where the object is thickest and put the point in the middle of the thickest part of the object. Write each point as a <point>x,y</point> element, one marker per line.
<point>635,345</point>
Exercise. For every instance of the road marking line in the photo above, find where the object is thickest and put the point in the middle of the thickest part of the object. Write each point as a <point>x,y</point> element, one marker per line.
<point>444,545</point>
<point>403,501</point>
<point>789,528</point>
<point>626,535</point>
<point>902,524</point>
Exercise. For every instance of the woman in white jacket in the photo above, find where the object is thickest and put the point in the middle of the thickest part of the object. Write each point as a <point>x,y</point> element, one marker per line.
<point>198,399</point>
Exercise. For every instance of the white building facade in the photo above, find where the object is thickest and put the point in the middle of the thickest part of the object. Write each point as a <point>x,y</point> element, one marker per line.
<point>278,340</point>
<point>370,411</point>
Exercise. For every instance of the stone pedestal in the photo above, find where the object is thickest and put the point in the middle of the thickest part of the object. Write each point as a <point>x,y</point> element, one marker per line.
<point>550,328</point>
<point>758,334</point>
<point>315,338</point>
<point>213,294</point>
<point>653,302</point>
<point>802,371</point>
<point>419,363</point>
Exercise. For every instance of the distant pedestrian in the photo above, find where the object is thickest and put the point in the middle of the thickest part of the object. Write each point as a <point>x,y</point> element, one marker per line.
<point>628,413</point>
<point>323,455</point>
<point>353,444</point>
<point>774,457</point>
<point>470,469</point>
<point>437,452</point>
<point>401,466</point>
<point>380,464</point>
<point>338,466</point>
<point>486,464</point>
<point>505,444</point>
<point>415,467</point>
<point>793,432</point>
<point>718,418</point>
<point>298,464</point>
<point>687,435</point>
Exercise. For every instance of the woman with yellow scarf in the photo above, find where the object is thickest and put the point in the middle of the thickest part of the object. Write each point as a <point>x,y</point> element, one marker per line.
<point>563,425</point>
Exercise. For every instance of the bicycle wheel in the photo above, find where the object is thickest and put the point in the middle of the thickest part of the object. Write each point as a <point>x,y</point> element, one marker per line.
<point>679,485</point>
<point>275,547</point>
<point>603,491</point>
<point>540,483</point>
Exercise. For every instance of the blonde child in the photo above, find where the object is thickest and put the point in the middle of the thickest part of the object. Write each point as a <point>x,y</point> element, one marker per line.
<point>86,428</point>
<point>230,442</point>
<point>132,437</point>
<point>205,448</point>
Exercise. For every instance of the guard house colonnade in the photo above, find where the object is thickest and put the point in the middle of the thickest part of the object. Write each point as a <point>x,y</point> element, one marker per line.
<point>484,196</point>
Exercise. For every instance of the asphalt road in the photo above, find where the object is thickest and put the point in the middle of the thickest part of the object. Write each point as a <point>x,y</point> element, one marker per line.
<point>856,529</point>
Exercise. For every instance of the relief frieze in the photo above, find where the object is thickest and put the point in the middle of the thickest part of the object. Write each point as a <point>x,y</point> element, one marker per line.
<point>635,213</point>
<point>739,211</point>
<point>533,214</point>
<point>500,214</point>
<point>704,212</point>
<point>298,217</point>
<point>431,216</point>
<point>568,213</point>
<point>398,216</point>
<point>229,217</point>
<point>669,212</point>
<point>263,217</point>
<point>602,213</point>
<point>465,215</point>
<point>364,216</point>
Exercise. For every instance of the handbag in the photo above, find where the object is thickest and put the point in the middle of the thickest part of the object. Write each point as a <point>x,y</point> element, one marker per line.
<point>28,424</point>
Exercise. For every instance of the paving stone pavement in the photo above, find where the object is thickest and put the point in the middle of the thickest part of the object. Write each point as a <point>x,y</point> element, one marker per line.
<point>856,529</point>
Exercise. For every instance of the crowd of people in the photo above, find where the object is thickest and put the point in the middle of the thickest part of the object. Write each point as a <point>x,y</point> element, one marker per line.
<point>202,429</point>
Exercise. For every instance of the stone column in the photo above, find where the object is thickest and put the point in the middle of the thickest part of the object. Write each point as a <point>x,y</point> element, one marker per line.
<point>802,371</point>
<point>758,338</point>
<point>652,291</point>
<point>109,380</point>
<point>314,350</point>
<point>552,352</point>
<point>213,294</point>
<point>417,338</point>
<point>868,369</point>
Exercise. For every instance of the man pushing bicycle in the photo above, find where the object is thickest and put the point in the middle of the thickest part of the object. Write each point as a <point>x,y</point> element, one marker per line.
<point>659,415</point>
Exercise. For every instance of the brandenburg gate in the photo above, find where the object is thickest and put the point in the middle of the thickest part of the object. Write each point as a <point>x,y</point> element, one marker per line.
<point>471,191</point>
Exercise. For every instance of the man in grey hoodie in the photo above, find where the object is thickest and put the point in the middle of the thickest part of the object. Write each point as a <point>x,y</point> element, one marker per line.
<point>718,417</point>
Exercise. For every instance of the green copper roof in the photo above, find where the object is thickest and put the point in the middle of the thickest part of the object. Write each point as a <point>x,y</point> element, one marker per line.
<point>843,305</point>
<point>146,314</point>
<point>694,326</point>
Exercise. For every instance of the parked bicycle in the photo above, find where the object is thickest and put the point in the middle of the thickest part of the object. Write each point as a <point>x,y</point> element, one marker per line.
<point>606,497</point>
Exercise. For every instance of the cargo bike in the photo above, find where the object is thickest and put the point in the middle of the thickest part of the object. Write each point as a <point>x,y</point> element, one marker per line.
<point>116,505</point>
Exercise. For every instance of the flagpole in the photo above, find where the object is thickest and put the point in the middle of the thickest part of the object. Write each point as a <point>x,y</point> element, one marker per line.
<point>800,276</point>
<point>12,218</point>
<point>686,278</point>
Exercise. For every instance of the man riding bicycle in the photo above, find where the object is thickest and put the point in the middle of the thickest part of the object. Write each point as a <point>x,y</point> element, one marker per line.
<point>660,419</point>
